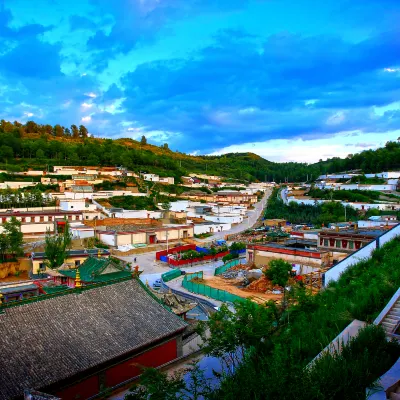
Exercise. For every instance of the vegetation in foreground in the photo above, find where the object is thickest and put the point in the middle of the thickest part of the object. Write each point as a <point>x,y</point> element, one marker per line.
<point>266,350</point>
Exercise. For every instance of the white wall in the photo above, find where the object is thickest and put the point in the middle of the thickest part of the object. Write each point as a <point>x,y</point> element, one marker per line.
<point>200,228</point>
<point>66,205</point>
<point>180,205</point>
<point>368,187</point>
<point>107,239</point>
<point>224,219</point>
<point>389,235</point>
<point>82,233</point>
<point>334,273</point>
<point>143,214</point>
<point>372,224</point>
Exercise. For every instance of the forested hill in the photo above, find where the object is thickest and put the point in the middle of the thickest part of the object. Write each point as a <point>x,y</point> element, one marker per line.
<point>32,145</point>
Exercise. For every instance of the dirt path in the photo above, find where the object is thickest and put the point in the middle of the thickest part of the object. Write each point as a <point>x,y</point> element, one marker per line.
<point>230,285</point>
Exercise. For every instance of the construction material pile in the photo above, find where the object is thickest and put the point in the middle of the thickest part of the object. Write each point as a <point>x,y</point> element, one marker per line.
<point>262,285</point>
<point>231,274</point>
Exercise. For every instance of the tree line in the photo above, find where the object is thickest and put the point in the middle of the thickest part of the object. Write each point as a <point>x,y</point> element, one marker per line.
<point>32,144</point>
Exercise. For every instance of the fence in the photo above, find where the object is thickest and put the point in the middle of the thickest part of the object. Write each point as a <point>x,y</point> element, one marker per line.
<point>207,291</point>
<point>223,268</point>
<point>364,253</point>
<point>168,276</point>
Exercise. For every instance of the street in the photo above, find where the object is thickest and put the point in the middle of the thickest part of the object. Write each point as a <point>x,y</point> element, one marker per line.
<point>253,216</point>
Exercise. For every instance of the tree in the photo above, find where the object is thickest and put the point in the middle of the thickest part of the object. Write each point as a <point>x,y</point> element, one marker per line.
<point>278,273</point>
<point>31,127</point>
<point>58,131</point>
<point>157,385</point>
<point>12,229</point>
<point>83,132</point>
<point>166,205</point>
<point>6,153</point>
<point>4,245</point>
<point>67,132</point>
<point>75,131</point>
<point>40,154</point>
<point>143,140</point>
<point>234,332</point>
<point>56,247</point>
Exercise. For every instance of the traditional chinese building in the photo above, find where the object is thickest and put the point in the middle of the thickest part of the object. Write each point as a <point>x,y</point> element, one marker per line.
<point>93,270</point>
<point>75,345</point>
<point>348,240</point>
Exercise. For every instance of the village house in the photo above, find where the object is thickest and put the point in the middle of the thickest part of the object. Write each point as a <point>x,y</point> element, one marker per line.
<point>348,240</point>
<point>39,222</point>
<point>81,341</point>
<point>146,236</point>
<point>17,185</point>
<point>303,259</point>
<point>159,179</point>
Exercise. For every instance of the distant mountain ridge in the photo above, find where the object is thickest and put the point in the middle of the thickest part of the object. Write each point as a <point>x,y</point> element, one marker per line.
<point>32,145</point>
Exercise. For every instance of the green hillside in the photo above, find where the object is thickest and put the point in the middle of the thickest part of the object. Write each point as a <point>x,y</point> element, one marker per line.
<point>31,145</point>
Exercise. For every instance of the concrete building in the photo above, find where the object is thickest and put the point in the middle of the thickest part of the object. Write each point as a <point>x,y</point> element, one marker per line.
<point>146,236</point>
<point>211,227</point>
<point>348,241</point>
<point>17,185</point>
<point>307,260</point>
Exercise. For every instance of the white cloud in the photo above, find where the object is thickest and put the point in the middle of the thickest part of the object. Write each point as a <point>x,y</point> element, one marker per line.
<point>309,151</point>
<point>28,114</point>
<point>91,94</point>
<point>391,69</point>
<point>86,119</point>
<point>87,105</point>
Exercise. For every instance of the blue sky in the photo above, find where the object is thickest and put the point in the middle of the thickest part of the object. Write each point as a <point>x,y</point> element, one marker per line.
<point>289,80</point>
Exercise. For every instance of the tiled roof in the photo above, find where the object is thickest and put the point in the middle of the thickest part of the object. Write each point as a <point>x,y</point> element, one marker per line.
<point>46,341</point>
<point>92,270</point>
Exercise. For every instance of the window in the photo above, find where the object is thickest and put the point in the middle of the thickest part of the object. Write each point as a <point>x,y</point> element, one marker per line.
<point>87,216</point>
<point>326,242</point>
<point>351,245</point>
<point>22,219</point>
<point>77,263</point>
<point>50,218</point>
<point>77,218</point>
<point>41,219</point>
<point>337,244</point>
<point>41,266</point>
<point>72,207</point>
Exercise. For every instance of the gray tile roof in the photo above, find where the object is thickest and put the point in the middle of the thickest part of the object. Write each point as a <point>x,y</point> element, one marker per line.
<point>46,341</point>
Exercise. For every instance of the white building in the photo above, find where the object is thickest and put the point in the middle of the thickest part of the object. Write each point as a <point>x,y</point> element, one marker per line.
<point>385,175</point>
<point>378,188</point>
<point>210,227</point>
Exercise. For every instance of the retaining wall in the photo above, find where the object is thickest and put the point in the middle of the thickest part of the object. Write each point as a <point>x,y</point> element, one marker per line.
<point>364,253</point>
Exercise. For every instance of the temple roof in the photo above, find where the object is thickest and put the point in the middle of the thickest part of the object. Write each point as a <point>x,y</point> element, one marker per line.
<point>95,270</point>
<point>46,341</point>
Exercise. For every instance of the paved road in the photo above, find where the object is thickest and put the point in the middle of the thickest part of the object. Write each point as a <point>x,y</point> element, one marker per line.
<point>253,216</point>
